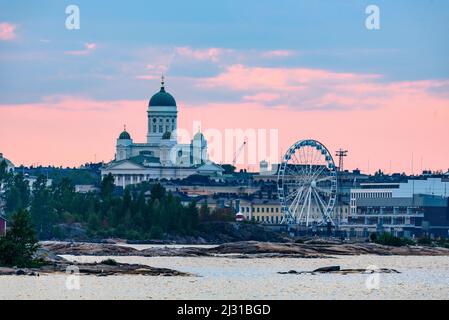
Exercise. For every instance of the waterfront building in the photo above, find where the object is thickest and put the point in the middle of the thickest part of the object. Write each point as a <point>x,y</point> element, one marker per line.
<point>412,208</point>
<point>161,157</point>
<point>269,211</point>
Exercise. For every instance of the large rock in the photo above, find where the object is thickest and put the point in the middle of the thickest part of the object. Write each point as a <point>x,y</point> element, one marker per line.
<point>94,249</point>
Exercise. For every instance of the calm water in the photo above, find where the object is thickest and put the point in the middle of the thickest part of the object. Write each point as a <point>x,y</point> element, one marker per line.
<point>228,278</point>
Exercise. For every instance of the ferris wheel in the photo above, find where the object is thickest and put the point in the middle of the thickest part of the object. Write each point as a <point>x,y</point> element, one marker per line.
<point>307,184</point>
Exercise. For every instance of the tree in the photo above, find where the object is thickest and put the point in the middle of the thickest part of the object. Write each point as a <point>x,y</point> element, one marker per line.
<point>107,187</point>
<point>204,212</point>
<point>63,196</point>
<point>156,232</point>
<point>228,168</point>
<point>193,215</point>
<point>19,245</point>
<point>42,210</point>
<point>17,194</point>
<point>157,192</point>
<point>3,170</point>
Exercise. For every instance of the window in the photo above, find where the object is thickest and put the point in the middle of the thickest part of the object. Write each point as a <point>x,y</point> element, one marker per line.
<point>277,209</point>
<point>272,209</point>
<point>160,129</point>
<point>168,120</point>
<point>154,127</point>
<point>258,209</point>
<point>263,209</point>
<point>154,120</point>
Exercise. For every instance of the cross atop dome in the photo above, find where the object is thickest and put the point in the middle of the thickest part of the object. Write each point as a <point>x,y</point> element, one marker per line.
<point>162,83</point>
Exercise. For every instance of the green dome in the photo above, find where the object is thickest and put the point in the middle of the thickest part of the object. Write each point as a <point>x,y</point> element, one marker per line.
<point>124,136</point>
<point>166,135</point>
<point>162,99</point>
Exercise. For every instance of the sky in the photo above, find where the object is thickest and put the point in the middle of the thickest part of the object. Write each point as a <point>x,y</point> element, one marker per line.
<point>301,69</point>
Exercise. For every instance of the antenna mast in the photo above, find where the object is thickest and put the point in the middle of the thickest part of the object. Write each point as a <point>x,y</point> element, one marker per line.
<point>341,154</point>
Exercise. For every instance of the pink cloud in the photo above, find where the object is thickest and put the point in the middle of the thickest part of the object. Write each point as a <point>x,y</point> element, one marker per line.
<point>154,72</point>
<point>240,77</point>
<point>7,31</point>
<point>88,48</point>
<point>278,53</point>
<point>313,89</point>
<point>262,97</point>
<point>212,54</point>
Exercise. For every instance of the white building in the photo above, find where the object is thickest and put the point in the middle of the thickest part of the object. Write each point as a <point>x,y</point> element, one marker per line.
<point>32,180</point>
<point>161,157</point>
<point>404,209</point>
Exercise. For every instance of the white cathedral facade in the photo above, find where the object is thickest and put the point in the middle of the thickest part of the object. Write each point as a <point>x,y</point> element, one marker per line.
<point>161,157</point>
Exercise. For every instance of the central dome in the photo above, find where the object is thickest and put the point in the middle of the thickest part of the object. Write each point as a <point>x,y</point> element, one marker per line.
<point>162,98</point>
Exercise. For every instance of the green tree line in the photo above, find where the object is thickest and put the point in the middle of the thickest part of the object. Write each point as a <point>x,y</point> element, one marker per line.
<point>104,214</point>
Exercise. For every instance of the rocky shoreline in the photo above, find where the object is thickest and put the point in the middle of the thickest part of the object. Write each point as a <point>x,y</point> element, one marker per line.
<point>246,249</point>
<point>52,263</point>
<point>98,269</point>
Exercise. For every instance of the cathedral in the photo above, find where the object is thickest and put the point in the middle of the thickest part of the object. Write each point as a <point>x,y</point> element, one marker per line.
<point>161,157</point>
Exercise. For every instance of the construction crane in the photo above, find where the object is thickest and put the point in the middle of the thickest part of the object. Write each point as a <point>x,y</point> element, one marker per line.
<point>237,153</point>
<point>341,154</point>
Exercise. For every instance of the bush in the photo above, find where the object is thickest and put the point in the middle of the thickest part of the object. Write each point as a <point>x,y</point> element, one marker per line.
<point>156,232</point>
<point>109,262</point>
<point>388,239</point>
<point>425,241</point>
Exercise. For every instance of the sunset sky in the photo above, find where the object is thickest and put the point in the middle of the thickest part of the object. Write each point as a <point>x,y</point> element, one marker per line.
<point>309,69</point>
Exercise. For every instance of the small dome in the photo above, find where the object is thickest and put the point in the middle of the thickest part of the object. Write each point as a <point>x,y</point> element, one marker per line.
<point>162,98</point>
<point>166,135</point>
<point>124,136</point>
<point>198,136</point>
